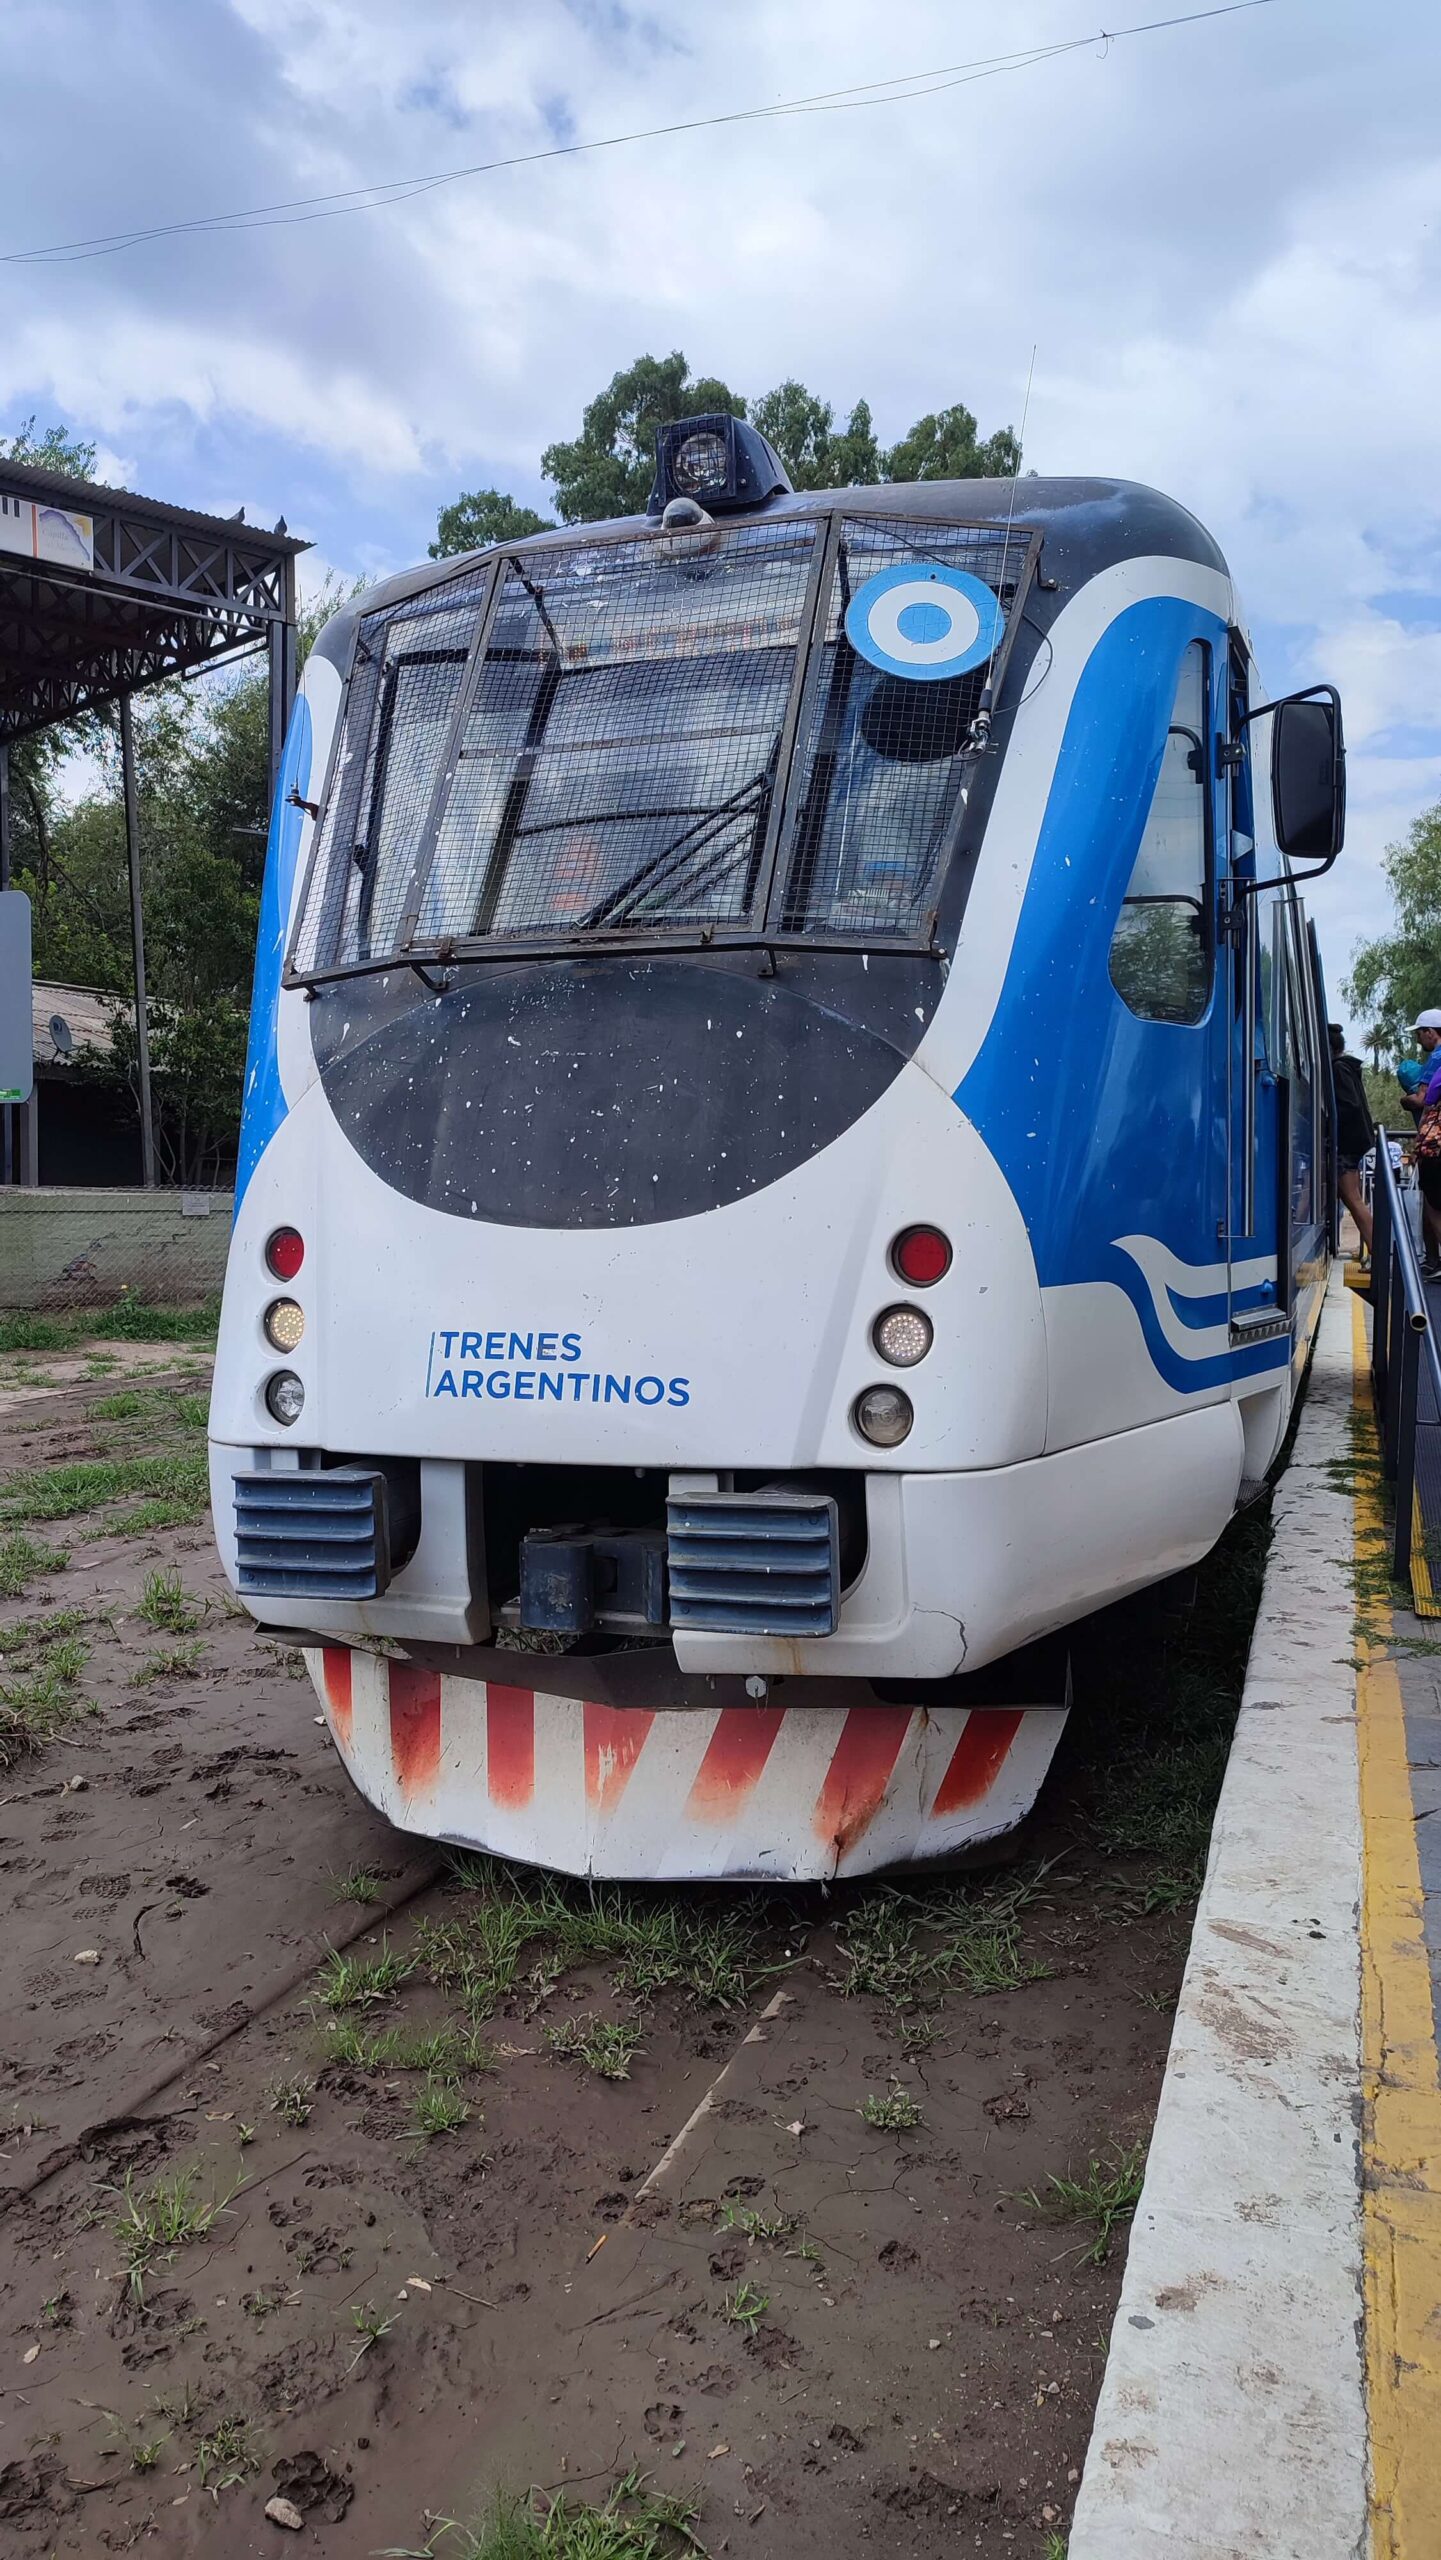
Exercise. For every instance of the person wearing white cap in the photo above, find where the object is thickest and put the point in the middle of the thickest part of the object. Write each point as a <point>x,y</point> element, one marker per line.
<point>1427,1027</point>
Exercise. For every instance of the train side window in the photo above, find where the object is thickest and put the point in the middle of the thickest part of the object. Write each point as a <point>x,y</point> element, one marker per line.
<point>1161,948</point>
<point>1291,1048</point>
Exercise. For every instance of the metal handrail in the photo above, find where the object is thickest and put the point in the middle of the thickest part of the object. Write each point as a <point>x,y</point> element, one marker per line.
<point>1401,1334</point>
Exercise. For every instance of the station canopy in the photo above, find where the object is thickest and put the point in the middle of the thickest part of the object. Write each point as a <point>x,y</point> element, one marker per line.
<point>102,593</point>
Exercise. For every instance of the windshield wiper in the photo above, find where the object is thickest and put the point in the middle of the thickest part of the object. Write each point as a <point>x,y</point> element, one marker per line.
<point>691,840</point>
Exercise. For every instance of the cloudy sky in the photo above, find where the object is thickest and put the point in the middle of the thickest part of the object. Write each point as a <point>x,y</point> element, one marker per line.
<point>1223,240</point>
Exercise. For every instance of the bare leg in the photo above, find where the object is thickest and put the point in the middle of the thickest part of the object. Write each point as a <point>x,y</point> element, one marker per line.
<point>1351,1193</point>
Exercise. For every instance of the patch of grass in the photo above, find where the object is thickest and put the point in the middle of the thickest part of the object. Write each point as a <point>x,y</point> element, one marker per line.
<point>918,2034</point>
<point>707,1952</point>
<point>745,2306</point>
<point>37,1703</point>
<point>30,1635</point>
<point>476,1956</point>
<point>898,2113</point>
<point>291,2100</point>
<point>908,1948</point>
<point>437,2108</point>
<point>178,1483</point>
<point>228,2455</point>
<point>153,2221</point>
<point>1106,2194</point>
<point>147,1518</point>
<point>362,1982</point>
<point>606,2046</point>
<point>145,2454</point>
<point>372,2325</point>
<point>447,2049</point>
<point>1170,1892</point>
<point>129,1320</point>
<point>634,2523</point>
<point>23,1561</point>
<point>358,1884</point>
<point>166,1604</point>
<point>768,2227</point>
<point>171,1662</point>
<point>1055,2547</point>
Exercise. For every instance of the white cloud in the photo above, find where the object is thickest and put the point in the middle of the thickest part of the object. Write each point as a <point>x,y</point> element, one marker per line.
<point>1223,241</point>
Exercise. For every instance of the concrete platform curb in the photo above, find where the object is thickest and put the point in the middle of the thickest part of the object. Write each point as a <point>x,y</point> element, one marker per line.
<point>1232,2420</point>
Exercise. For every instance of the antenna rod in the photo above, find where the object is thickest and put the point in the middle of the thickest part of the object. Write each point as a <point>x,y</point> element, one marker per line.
<point>980,737</point>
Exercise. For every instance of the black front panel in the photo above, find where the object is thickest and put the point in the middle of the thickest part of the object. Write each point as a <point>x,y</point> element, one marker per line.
<point>613,1093</point>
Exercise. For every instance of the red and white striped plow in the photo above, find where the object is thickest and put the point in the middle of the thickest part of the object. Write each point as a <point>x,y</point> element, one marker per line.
<point>791,1793</point>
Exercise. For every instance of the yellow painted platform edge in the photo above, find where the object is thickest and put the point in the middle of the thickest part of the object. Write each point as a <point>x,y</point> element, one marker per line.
<point>1401,2084</point>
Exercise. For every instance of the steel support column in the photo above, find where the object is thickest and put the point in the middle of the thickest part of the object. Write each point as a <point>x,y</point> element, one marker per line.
<point>137,941</point>
<point>282,654</point>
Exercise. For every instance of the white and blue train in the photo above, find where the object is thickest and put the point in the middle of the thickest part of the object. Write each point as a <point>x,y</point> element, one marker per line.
<point>787,1154</point>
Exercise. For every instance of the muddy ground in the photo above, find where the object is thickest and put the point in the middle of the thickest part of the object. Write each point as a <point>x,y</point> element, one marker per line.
<point>435,2273</point>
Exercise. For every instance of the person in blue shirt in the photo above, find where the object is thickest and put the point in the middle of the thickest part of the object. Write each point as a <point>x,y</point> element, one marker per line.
<point>1427,1027</point>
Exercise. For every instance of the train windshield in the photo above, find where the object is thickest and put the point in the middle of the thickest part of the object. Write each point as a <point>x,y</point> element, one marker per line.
<point>655,738</point>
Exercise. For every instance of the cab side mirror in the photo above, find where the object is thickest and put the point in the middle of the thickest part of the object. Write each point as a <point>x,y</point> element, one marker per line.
<point>1308,775</point>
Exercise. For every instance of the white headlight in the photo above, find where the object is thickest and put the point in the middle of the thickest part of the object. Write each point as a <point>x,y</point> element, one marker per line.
<point>903,1336</point>
<point>285,1396</point>
<point>700,463</point>
<point>883,1415</point>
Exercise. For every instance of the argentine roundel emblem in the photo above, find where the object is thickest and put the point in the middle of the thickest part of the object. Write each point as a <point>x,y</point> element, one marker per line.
<point>924,622</point>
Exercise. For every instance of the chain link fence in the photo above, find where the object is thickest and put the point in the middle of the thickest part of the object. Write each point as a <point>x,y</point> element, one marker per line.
<point>63,1252</point>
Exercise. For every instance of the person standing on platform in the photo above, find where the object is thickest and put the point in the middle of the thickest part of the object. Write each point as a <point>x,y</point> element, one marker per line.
<point>1355,1130</point>
<point>1427,1027</point>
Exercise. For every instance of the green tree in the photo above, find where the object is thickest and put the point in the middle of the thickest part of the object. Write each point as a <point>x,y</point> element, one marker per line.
<point>803,431</point>
<point>943,446</point>
<point>197,1061</point>
<point>608,469</point>
<point>481,516</point>
<point>1399,974</point>
<point>56,450</point>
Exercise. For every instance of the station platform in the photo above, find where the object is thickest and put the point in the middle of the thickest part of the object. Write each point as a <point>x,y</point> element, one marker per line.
<point>1273,2380</point>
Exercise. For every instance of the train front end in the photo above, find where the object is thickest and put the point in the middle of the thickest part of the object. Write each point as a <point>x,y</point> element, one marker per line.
<point>633,1375</point>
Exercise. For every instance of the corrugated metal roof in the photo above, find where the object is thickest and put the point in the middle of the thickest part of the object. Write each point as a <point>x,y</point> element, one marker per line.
<point>86,1010</point>
<point>93,497</point>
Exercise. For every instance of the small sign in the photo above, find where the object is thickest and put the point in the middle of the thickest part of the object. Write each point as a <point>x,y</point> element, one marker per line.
<point>40,531</point>
<point>195,1204</point>
<point>17,1034</point>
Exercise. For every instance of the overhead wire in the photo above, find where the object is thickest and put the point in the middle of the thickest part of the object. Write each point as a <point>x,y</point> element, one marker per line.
<point>899,89</point>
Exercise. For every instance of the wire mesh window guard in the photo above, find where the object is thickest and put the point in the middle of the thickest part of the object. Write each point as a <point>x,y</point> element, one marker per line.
<point>649,738</point>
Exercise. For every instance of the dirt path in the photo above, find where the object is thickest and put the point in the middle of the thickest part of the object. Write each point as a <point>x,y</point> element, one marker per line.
<point>442,2270</point>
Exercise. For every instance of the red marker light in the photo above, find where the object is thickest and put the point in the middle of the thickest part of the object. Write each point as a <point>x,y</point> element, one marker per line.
<point>285,1252</point>
<point>922,1255</point>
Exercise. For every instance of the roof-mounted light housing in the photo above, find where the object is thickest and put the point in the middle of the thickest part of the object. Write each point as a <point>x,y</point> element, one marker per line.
<point>717,460</point>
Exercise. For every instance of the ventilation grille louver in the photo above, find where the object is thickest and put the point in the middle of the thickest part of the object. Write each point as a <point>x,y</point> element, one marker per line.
<point>312,1535</point>
<point>758,1564</point>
